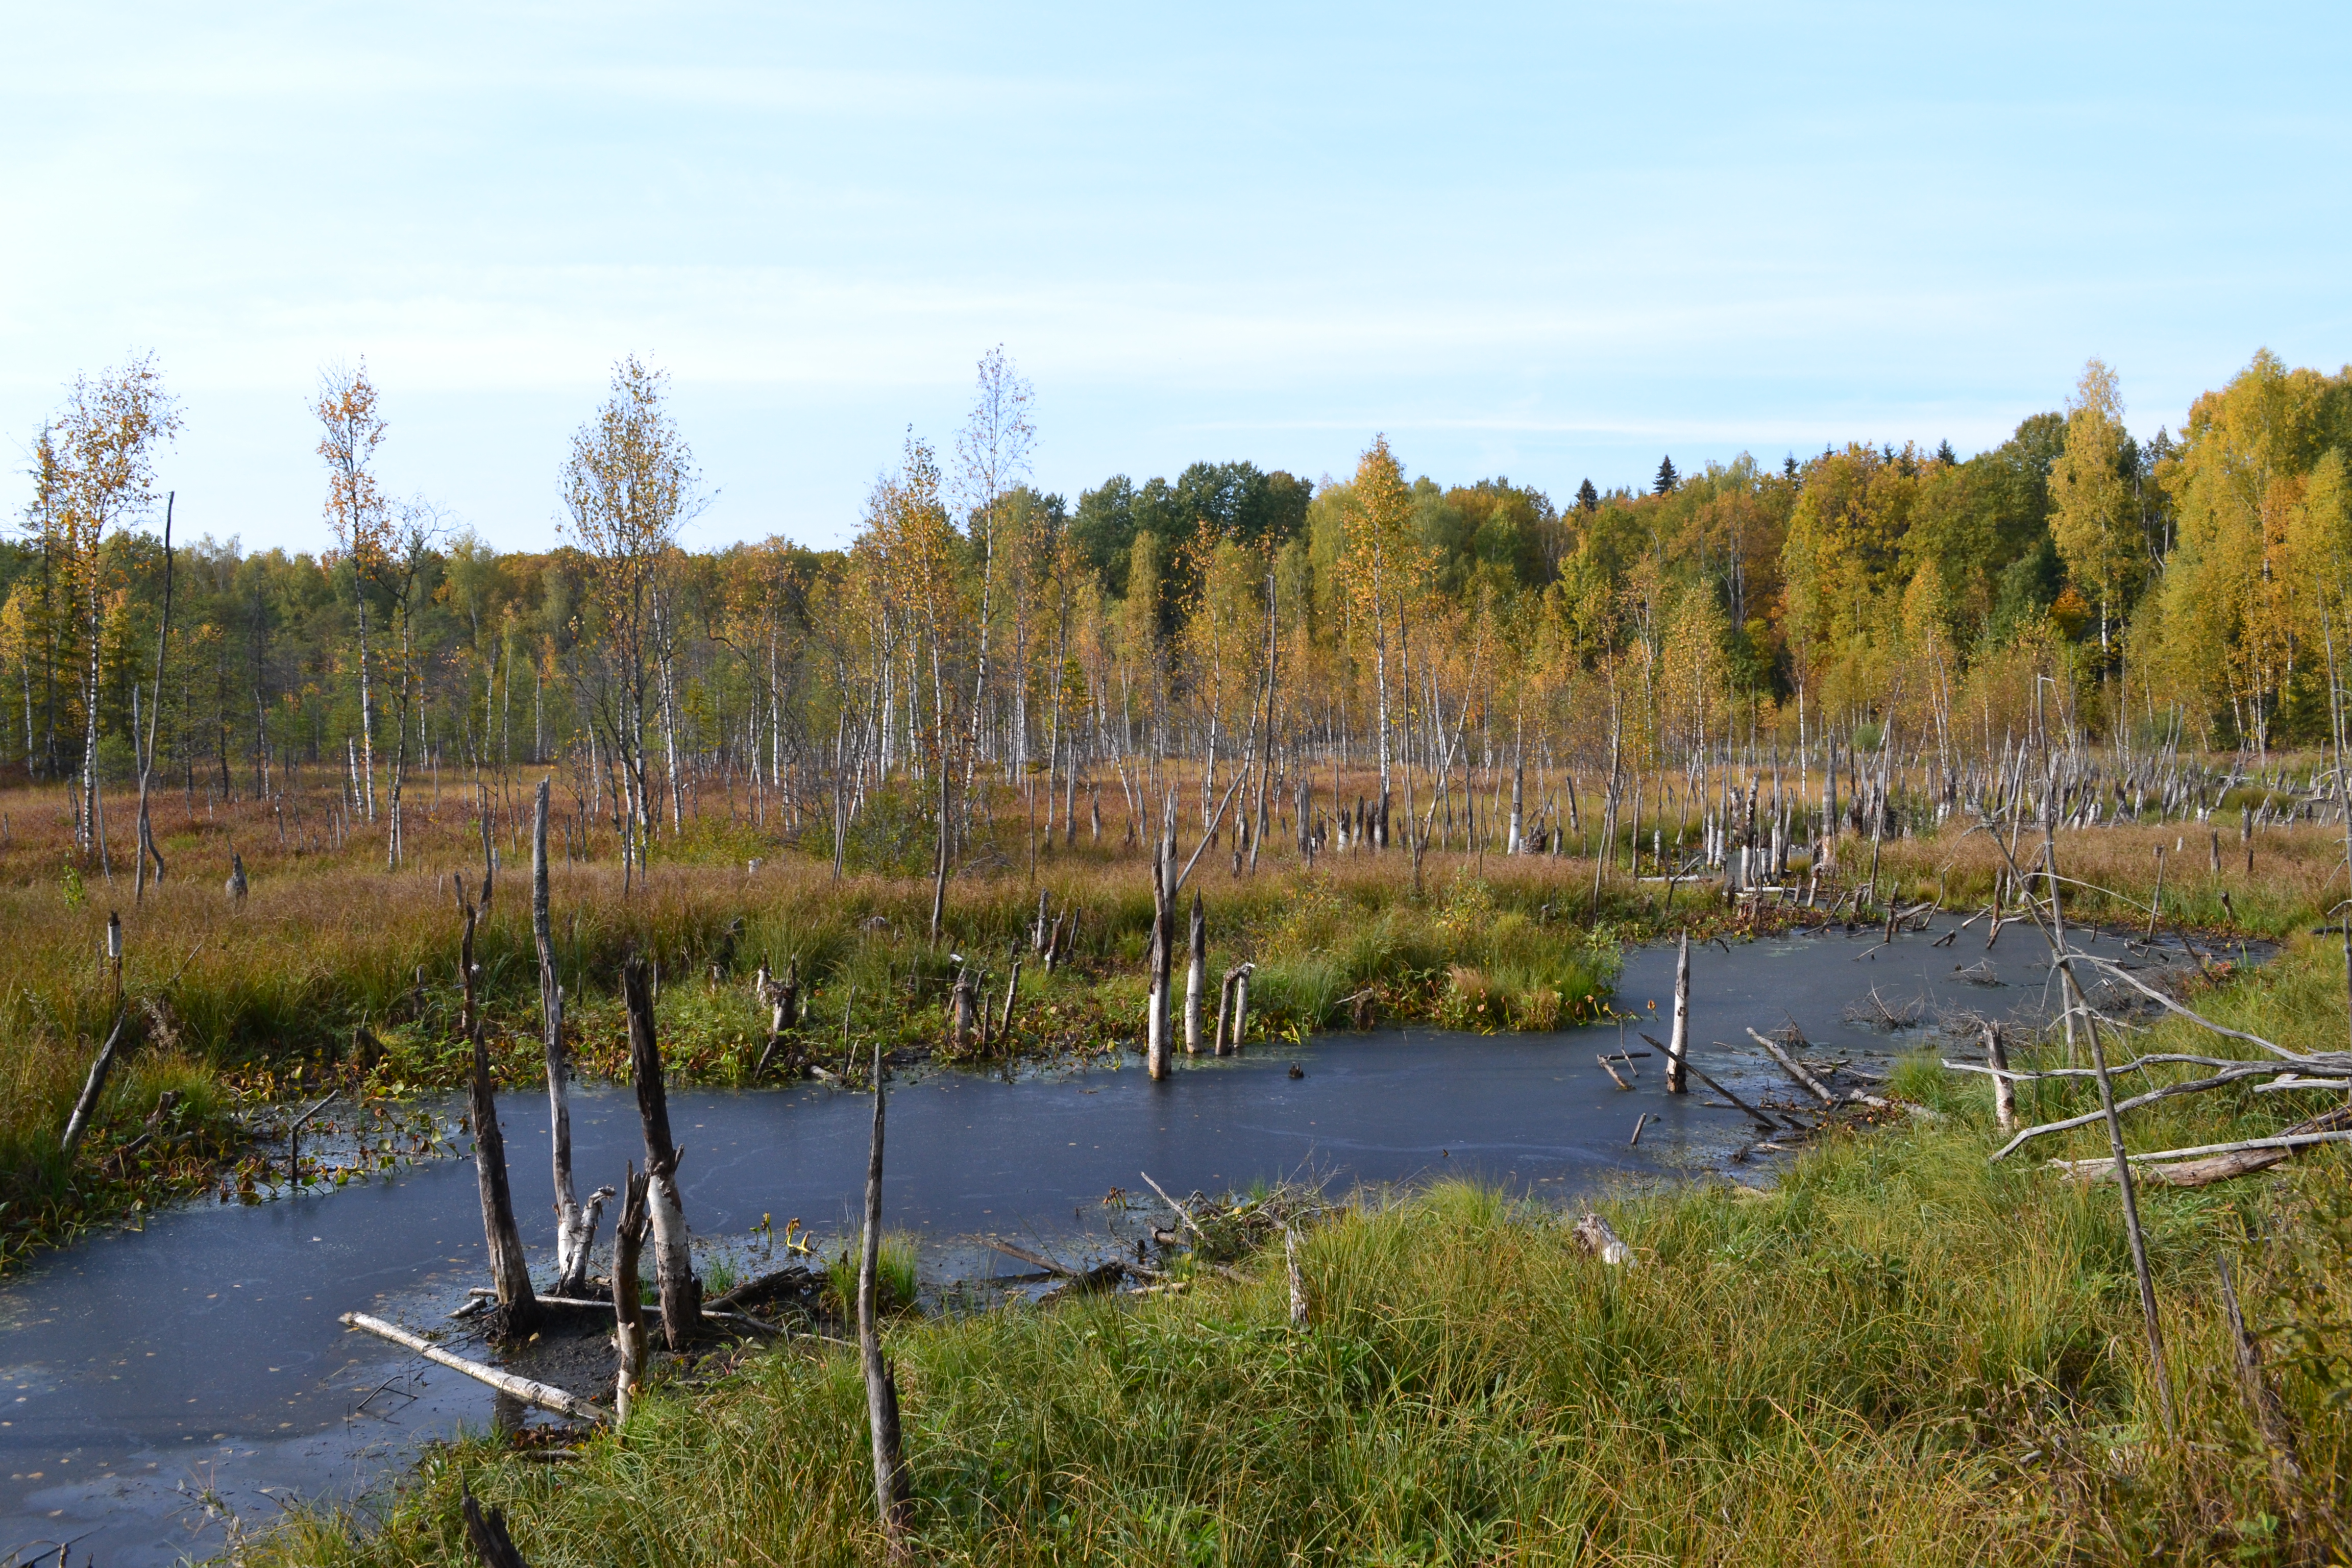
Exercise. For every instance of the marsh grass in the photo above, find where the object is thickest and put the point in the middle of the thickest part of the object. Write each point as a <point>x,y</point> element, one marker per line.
<point>897,1276</point>
<point>333,970</point>
<point>1902,1353</point>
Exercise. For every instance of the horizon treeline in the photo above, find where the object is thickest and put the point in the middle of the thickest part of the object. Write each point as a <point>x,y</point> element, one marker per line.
<point>2188,592</point>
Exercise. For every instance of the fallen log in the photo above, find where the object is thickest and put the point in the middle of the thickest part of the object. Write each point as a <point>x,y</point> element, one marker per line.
<point>540,1393</point>
<point>1794,1069</point>
<point>2283,1140</point>
<point>1034,1260</point>
<point>1760,1119</point>
<point>2194,1172</point>
<point>2191,1086</point>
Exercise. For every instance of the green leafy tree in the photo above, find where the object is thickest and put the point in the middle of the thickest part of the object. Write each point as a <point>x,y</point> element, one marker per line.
<point>2094,517</point>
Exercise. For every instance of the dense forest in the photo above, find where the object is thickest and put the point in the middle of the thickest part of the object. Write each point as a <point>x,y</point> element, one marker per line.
<point>2189,592</point>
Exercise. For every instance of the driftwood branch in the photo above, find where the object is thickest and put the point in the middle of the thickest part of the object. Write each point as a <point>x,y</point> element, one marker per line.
<point>540,1393</point>
<point>1794,1069</point>
<point>2169,1092</point>
<point>1180,1211</point>
<point>2116,971</point>
<point>2281,1140</point>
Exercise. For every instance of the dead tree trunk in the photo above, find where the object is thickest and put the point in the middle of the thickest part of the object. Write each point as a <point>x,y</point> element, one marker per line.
<point>964,1008</point>
<point>681,1292</point>
<point>575,1225</point>
<point>518,1308</point>
<point>1163,923</point>
<point>100,1069</point>
<point>1196,975</point>
<point>1012,989</point>
<point>891,1501</point>
<point>2004,1089</point>
<point>1678,1042</point>
<point>628,1310</point>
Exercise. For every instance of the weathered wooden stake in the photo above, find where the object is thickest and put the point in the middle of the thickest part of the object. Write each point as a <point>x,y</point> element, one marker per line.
<point>2004,1089</point>
<point>891,1501</point>
<point>681,1292</point>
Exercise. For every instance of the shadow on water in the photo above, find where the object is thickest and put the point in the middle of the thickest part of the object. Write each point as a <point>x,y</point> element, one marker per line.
<point>154,1384</point>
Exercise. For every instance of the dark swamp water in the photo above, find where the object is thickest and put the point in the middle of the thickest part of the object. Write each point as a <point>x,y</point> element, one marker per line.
<point>160,1389</point>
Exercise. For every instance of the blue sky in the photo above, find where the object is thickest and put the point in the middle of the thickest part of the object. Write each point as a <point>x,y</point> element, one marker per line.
<point>1547,242</point>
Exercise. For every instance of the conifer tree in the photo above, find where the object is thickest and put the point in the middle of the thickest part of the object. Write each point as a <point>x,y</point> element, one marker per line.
<point>1587,497</point>
<point>1667,479</point>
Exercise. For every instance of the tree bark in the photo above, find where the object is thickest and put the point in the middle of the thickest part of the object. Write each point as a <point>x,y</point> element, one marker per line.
<point>1678,1042</point>
<point>681,1292</point>
<point>100,1069</point>
<point>628,1310</point>
<point>510,1271</point>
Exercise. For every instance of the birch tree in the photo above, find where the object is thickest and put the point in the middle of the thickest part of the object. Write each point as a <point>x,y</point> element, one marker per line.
<point>628,487</point>
<point>351,430</point>
<point>95,470</point>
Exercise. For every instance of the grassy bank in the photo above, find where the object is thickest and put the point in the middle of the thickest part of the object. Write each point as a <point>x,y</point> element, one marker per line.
<point>1902,1353</point>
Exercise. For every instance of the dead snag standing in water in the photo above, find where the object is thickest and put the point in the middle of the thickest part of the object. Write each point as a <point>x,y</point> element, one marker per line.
<point>518,1308</point>
<point>890,1495</point>
<point>681,1292</point>
<point>628,1310</point>
<point>1679,1047</point>
<point>575,1224</point>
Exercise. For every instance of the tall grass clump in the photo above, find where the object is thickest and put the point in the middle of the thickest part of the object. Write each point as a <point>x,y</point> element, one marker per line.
<point>1904,1354</point>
